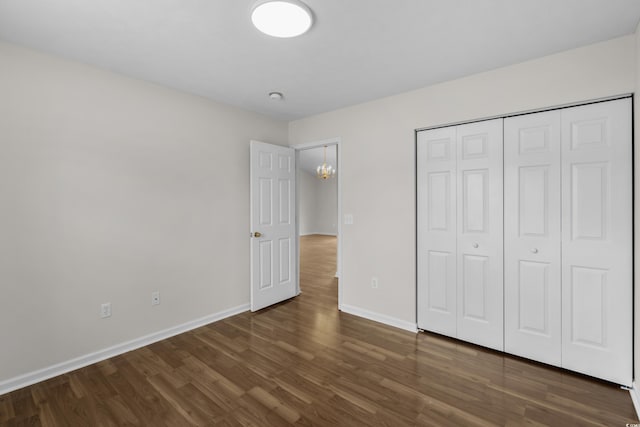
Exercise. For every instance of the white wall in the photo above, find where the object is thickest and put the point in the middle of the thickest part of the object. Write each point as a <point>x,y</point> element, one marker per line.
<point>306,202</point>
<point>326,219</point>
<point>318,204</point>
<point>381,242</point>
<point>111,188</point>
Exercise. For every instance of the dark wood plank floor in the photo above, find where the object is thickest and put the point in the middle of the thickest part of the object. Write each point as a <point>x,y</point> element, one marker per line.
<point>304,363</point>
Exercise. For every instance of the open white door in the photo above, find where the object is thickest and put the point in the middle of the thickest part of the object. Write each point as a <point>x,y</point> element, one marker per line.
<point>273,241</point>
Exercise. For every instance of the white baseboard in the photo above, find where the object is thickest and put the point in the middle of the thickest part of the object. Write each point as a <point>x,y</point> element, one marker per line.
<point>318,233</point>
<point>91,358</point>
<point>635,398</point>
<point>381,318</point>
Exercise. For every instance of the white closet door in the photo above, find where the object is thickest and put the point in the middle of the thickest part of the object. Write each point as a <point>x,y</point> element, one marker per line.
<point>436,153</point>
<point>532,236</point>
<point>597,238</point>
<point>479,202</point>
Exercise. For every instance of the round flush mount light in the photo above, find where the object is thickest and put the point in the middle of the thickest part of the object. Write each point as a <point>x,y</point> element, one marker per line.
<point>281,18</point>
<point>276,96</point>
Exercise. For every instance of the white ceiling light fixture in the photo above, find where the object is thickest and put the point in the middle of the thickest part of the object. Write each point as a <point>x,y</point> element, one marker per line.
<point>281,18</point>
<point>276,96</point>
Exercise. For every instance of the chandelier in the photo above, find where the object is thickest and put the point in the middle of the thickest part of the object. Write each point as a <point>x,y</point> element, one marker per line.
<point>325,171</point>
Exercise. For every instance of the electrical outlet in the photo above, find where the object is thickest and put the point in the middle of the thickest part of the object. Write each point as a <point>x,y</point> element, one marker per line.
<point>105,310</point>
<point>374,283</point>
<point>155,298</point>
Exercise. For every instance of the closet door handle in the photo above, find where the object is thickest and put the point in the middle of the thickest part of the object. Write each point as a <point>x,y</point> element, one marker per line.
<point>534,250</point>
<point>475,245</point>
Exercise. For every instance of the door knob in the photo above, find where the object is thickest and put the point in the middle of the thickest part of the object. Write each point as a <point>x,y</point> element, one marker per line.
<point>257,234</point>
<point>534,250</point>
<point>475,245</point>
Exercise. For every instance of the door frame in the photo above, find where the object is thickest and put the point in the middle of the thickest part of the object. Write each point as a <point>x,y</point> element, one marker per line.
<point>317,144</point>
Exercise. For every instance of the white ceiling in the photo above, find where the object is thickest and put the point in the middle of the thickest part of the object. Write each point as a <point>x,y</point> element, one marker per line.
<point>310,159</point>
<point>357,50</point>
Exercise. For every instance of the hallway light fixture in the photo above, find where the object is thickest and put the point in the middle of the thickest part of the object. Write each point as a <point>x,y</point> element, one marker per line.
<point>325,171</point>
<point>281,18</point>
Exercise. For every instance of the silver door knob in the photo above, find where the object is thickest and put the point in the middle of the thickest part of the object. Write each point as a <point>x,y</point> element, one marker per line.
<point>534,250</point>
<point>475,245</point>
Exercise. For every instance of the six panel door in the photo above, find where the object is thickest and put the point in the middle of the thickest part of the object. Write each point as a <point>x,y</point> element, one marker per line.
<point>597,240</point>
<point>436,154</point>
<point>479,222</point>
<point>532,199</point>
<point>272,216</point>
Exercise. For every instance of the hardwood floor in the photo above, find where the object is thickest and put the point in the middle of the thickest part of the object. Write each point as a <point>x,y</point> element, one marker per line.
<point>304,363</point>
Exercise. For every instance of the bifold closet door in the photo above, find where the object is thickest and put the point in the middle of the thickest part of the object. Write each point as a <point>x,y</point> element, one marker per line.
<point>597,240</point>
<point>480,233</point>
<point>460,265</point>
<point>436,174</point>
<point>532,270</point>
<point>568,233</point>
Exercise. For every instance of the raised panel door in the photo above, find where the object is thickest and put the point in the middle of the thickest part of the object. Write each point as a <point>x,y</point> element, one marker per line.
<point>479,239</point>
<point>597,240</point>
<point>436,174</point>
<point>532,264</point>
<point>272,215</point>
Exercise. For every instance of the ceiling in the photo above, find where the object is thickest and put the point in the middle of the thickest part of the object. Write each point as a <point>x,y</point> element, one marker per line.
<point>356,51</point>
<point>310,159</point>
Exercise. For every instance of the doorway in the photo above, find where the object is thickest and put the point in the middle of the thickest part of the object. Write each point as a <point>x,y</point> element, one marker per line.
<point>318,213</point>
